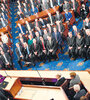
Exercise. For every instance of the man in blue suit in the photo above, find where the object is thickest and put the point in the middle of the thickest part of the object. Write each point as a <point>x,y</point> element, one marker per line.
<point>57,36</point>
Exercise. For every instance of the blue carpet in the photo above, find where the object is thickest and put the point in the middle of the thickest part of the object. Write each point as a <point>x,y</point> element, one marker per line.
<point>64,62</point>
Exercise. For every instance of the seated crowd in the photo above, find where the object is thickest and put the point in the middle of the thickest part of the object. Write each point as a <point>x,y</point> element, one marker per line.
<point>73,88</point>
<point>40,39</point>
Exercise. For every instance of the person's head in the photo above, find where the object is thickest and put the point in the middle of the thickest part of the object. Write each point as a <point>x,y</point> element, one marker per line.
<point>65,1</point>
<point>70,34</point>
<point>1,49</point>
<point>76,88</point>
<point>30,37</point>
<point>49,37</point>
<point>32,7</point>
<point>83,98</point>
<point>79,35</point>
<point>45,31</point>
<point>55,29</point>
<point>20,35</point>
<point>34,41</point>
<point>0,42</point>
<point>74,27</point>
<point>48,25</point>
<point>87,20</point>
<point>2,33</point>
<point>72,75</point>
<point>21,39</point>
<point>66,11</point>
<point>87,32</point>
<point>41,38</point>
<point>83,5</point>
<point>58,76</point>
<point>2,52</point>
<point>25,44</point>
<point>37,34</point>
<point>17,45</point>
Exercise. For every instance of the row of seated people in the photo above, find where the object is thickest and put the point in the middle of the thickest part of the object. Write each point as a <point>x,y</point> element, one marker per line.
<point>5,36</point>
<point>73,88</point>
<point>79,41</point>
<point>25,9</point>
<point>4,15</point>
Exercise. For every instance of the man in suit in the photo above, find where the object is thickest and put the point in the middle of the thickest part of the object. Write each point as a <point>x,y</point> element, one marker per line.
<point>60,80</point>
<point>42,22</point>
<point>75,30</point>
<point>74,6</point>
<point>20,54</point>
<point>87,45</point>
<point>4,23</point>
<point>7,61</point>
<point>45,4</point>
<point>75,79</point>
<point>80,42</point>
<point>43,49</point>
<point>4,47</point>
<point>57,36</point>
<point>51,48</point>
<point>36,51</point>
<point>37,37</point>
<point>23,37</point>
<point>86,24</point>
<point>28,26</point>
<point>79,92</point>
<point>60,27</point>
<point>50,19</point>
<point>71,40</point>
<point>36,23</point>
<point>66,6</point>
<point>45,35</point>
<point>84,10</point>
<point>49,29</point>
<point>20,15</point>
<point>33,10</point>
<point>28,55</point>
<point>58,16</point>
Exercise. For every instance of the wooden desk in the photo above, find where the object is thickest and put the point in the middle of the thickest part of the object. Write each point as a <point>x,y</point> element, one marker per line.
<point>39,15</point>
<point>41,93</point>
<point>84,75</point>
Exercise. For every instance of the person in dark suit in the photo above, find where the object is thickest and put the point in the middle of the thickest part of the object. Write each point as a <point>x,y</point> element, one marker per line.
<point>71,40</point>
<point>49,29</point>
<point>57,36</point>
<point>51,48</point>
<point>66,5</point>
<point>36,51</point>
<point>60,80</point>
<point>7,61</point>
<point>43,49</point>
<point>80,42</point>
<point>50,19</point>
<point>45,35</point>
<point>84,10</point>
<point>86,24</point>
<point>28,55</point>
<point>74,6</point>
<point>23,37</point>
<point>79,92</point>
<point>37,37</point>
<point>42,22</point>
<point>87,45</point>
<point>20,15</point>
<point>20,54</point>
<point>4,47</point>
<point>58,16</point>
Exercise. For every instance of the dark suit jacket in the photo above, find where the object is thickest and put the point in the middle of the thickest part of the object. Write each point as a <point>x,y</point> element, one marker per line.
<point>60,17</point>
<point>79,94</point>
<point>76,5</point>
<point>61,27</point>
<point>58,35</point>
<point>86,26</point>
<point>60,81</point>
<point>53,20</point>
<point>5,48</point>
<point>53,46</point>
<point>8,58</point>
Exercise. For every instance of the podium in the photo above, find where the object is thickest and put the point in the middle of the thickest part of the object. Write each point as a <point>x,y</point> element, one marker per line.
<point>13,87</point>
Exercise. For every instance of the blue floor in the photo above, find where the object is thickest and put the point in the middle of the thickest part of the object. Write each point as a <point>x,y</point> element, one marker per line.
<point>64,62</point>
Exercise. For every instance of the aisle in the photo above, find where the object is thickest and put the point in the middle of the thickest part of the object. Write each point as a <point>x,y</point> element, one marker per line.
<point>64,62</point>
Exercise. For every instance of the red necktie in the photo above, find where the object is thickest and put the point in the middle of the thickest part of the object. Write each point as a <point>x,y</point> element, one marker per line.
<point>43,46</point>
